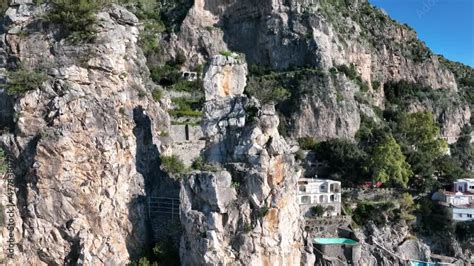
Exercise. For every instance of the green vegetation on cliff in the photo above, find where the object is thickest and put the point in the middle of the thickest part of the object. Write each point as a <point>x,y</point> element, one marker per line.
<point>404,151</point>
<point>76,18</point>
<point>172,164</point>
<point>387,163</point>
<point>21,80</point>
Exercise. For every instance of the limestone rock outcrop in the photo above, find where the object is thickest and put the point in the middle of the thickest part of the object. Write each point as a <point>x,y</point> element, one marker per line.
<point>284,34</point>
<point>247,213</point>
<point>81,142</point>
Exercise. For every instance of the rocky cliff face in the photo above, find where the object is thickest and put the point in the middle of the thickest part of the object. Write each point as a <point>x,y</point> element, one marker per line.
<point>321,34</point>
<point>87,142</point>
<point>83,143</point>
<point>246,213</point>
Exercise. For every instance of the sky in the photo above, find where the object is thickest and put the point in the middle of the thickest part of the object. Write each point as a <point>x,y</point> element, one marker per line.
<point>446,26</point>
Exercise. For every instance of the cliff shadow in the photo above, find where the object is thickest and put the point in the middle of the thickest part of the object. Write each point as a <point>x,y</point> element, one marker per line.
<point>156,184</point>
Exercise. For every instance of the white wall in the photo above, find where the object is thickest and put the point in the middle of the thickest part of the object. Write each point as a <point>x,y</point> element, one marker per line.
<point>457,200</point>
<point>462,214</point>
<point>464,186</point>
<point>470,186</point>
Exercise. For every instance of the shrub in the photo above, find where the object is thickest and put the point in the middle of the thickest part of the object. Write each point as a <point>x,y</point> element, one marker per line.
<point>4,5</point>
<point>226,53</point>
<point>364,87</point>
<point>376,212</point>
<point>467,81</point>
<point>122,110</point>
<point>180,59</point>
<point>165,75</point>
<point>186,107</point>
<point>258,70</point>
<point>202,165</point>
<point>236,185</point>
<point>185,113</point>
<point>188,86</point>
<point>163,253</point>
<point>407,206</point>
<point>307,143</point>
<point>375,84</point>
<point>157,94</point>
<point>172,164</point>
<point>141,93</point>
<point>317,211</point>
<point>247,228</point>
<point>465,231</point>
<point>262,212</point>
<point>267,90</point>
<point>350,72</point>
<point>433,218</point>
<point>21,81</point>
<point>76,17</point>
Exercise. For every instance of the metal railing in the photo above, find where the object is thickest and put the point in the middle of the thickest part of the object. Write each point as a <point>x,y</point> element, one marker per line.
<point>163,206</point>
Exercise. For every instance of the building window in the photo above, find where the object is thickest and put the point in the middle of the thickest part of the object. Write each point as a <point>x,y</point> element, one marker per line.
<point>469,216</point>
<point>459,214</point>
<point>305,199</point>
<point>323,199</point>
<point>302,188</point>
<point>471,187</point>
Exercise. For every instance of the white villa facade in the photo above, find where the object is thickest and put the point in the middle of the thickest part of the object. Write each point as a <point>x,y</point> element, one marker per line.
<point>460,201</point>
<point>464,185</point>
<point>323,192</point>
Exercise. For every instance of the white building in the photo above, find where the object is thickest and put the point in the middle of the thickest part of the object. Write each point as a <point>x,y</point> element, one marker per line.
<point>452,198</point>
<point>464,185</point>
<point>323,192</point>
<point>460,201</point>
<point>462,213</point>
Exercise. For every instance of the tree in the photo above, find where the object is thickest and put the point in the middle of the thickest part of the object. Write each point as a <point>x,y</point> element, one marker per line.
<point>463,149</point>
<point>387,163</point>
<point>421,132</point>
<point>343,157</point>
<point>449,168</point>
<point>418,135</point>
